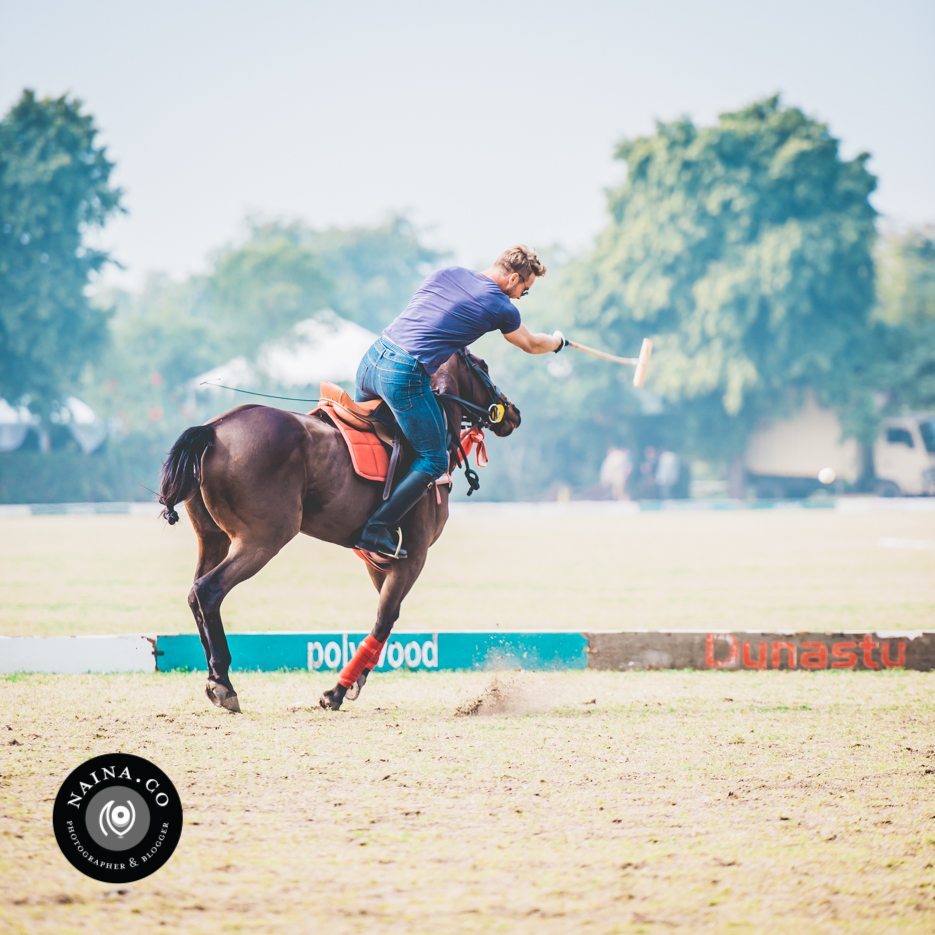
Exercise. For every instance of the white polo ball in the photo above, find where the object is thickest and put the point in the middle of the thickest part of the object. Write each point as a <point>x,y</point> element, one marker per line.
<point>826,475</point>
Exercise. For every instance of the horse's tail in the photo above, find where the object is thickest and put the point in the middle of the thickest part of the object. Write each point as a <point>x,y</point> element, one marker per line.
<point>181,469</point>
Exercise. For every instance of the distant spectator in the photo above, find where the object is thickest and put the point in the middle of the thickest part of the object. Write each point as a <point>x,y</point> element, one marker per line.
<point>644,486</point>
<point>667,473</point>
<point>683,487</point>
<point>615,472</point>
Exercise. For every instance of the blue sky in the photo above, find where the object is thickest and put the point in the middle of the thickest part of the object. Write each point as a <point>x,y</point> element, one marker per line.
<point>489,123</point>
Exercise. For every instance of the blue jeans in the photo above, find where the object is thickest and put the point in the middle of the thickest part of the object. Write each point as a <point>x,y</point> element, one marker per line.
<point>389,373</point>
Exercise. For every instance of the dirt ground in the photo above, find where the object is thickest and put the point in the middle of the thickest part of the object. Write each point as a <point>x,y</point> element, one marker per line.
<point>566,802</point>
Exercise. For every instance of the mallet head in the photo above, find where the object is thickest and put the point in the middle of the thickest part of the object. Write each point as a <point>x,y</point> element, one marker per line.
<point>642,363</point>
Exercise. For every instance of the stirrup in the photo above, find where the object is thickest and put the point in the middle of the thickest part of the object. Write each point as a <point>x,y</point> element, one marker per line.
<point>385,555</point>
<point>397,550</point>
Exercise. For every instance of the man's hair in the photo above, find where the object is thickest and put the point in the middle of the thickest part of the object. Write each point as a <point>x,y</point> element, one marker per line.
<point>520,259</point>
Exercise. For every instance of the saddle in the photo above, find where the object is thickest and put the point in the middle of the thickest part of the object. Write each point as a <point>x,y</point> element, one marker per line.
<point>375,443</point>
<point>372,443</point>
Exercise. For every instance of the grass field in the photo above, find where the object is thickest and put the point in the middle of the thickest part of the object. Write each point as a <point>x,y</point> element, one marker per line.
<point>592,802</point>
<point>514,568</point>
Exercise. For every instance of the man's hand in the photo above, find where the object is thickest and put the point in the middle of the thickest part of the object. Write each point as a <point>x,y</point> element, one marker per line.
<point>562,341</point>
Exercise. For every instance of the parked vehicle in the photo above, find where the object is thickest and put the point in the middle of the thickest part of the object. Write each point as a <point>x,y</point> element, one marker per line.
<point>806,453</point>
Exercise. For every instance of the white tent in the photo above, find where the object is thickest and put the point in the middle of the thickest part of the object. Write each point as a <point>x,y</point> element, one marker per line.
<point>324,347</point>
<point>83,423</point>
<point>80,419</point>
<point>15,424</point>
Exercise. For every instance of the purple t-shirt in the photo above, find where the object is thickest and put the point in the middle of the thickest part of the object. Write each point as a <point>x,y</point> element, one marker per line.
<point>451,310</point>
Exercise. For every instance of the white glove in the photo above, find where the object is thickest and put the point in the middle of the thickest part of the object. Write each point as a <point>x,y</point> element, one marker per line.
<point>562,339</point>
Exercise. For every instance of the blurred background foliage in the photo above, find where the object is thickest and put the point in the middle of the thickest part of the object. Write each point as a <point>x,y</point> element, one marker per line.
<point>748,250</point>
<point>54,188</point>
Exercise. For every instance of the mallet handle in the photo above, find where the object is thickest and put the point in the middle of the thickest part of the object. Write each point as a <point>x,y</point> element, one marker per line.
<point>631,361</point>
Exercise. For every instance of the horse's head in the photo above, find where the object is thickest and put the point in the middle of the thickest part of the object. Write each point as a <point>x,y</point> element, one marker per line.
<point>466,376</point>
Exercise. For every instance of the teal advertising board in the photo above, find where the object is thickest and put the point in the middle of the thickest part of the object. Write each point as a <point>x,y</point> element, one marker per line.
<point>431,652</point>
<point>329,652</point>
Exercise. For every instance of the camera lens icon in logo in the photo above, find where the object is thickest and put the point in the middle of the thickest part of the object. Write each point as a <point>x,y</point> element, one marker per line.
<point>117,818</point>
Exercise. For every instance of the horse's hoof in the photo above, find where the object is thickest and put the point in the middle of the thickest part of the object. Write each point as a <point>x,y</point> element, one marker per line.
<point>331,700</point>
<point>353,693</point>
<point>223,697</point>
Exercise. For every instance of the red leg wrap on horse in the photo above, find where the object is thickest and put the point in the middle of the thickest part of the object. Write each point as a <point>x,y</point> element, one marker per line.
<point>366,657</point>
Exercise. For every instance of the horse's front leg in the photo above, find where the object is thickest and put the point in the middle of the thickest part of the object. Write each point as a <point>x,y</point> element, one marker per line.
<point>394,587</point>
<point>370,663</point>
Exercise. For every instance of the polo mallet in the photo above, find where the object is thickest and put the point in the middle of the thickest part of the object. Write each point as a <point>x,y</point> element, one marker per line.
<point>641,363</point>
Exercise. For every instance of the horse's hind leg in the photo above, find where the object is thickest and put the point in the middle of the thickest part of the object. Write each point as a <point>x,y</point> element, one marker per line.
<point>243,561</point>
<point>213,546</point>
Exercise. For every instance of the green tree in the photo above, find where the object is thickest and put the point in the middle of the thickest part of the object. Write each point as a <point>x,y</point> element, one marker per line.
<point>745,250</point>
<point>904,359</point>
<point>160,337</point>
<point>373,270</point>
<point>285,271</point>
<point>906,276</point>
<point>54,189</point>
<point>258,289</point>
<point>255,289</point>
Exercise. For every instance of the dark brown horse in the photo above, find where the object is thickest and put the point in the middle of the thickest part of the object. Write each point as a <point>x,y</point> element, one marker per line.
<point>255,477</point>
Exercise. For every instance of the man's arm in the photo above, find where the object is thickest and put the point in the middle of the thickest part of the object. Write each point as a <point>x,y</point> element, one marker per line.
<point>535,342</point>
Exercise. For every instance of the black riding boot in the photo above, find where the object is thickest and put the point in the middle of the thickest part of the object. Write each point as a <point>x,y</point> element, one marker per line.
<point>381,533</point>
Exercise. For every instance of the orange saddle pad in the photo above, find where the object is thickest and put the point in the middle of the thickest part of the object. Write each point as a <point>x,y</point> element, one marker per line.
<point>369,455</point>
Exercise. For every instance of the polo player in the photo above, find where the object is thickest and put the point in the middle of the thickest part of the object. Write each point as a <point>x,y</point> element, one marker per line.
<point>451,310</point>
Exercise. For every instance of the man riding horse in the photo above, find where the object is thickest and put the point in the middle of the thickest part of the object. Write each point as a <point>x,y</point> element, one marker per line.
<point>255,477</point>
<point>451,310</point>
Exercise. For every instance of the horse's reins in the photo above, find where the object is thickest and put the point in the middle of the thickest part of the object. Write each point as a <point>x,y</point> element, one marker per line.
<point>485,416</point>
<point>481,417</point>
<point>237,389</point>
